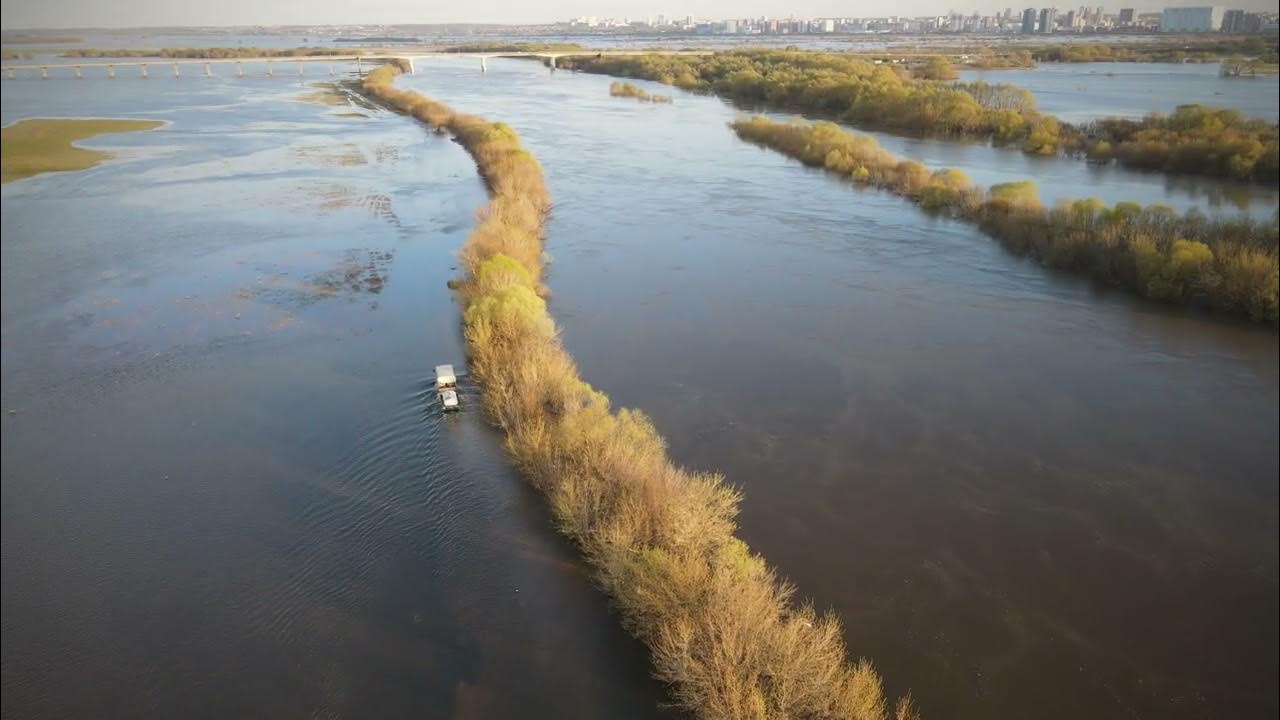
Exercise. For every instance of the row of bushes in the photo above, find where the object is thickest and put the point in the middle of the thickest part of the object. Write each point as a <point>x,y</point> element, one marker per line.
<point>1228,265</point>
<point>885,96</point>
<point>626,89</point>
<point>1186,50</point>
<point>209,53</point>
<point>723,630</point>
<point>1193,139</point>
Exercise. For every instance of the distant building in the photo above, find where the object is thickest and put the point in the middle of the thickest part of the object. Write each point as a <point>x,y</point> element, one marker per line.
<point>1028,21</point>
<point>1126,16</point>
<point>1072,19</point>
<point>1191,19</point>
<point>1048,16</point>
<point>1233,21</point>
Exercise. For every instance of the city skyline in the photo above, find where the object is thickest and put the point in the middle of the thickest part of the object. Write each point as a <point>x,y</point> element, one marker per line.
<point>72,14</point>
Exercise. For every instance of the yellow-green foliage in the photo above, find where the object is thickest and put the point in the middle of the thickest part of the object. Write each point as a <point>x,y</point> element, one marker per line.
<point>1194,140</point>
<point>1020,194</point>
<point>626,89</point>
<point>722,628</point>
<point>1228,265</point>
<point>935,68</point>
<point>32,147</point>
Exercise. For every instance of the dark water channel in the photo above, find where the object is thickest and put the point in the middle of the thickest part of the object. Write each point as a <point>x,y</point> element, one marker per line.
<point>226,490</point>
<point>1025,495</point>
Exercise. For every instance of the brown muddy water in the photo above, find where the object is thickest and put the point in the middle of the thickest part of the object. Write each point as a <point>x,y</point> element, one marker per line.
<point>1025,495</point>
<point>226,489</point>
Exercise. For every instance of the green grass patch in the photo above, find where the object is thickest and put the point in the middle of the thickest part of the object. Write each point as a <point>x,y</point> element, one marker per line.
<point>42,145</point>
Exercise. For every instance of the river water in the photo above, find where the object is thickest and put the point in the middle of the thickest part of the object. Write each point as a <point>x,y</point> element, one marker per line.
<point>226,493</point>
<point>226,489</point>
<point>1081,92</point>
<point>1026,496</point>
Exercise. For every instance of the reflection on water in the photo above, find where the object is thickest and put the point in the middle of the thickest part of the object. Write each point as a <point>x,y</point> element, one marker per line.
<point>1064,179</point>
<point>226,490</point>
<point>1025,495</point>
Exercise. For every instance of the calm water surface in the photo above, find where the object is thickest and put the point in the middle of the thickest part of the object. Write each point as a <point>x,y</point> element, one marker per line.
<point>1026,496</point>
<point>1080,92</point>
<point>226,490</point>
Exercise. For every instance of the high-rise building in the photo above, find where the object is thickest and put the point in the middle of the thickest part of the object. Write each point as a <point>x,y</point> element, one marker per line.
<point>1028,21</point>
<point>1072,18</point>
<point>1233,21</point>
<point>1191,19</point>
<point>1048,16</point>
<point>1126,16</point>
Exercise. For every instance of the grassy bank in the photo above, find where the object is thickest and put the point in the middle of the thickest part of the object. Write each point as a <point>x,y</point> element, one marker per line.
<point>723,630</point>
<point>1230,266</point>
<point>626,89</point>
<point>1194,140</point>
<point>32,147</point>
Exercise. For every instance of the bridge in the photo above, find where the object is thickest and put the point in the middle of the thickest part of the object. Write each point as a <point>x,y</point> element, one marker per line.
<point>410,58</point>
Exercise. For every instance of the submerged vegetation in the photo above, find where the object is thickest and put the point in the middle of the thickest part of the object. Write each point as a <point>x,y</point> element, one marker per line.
<point>626,89</point>
<point>35,146</point>
<point>1229,266</point>
<point>209,53</point>
<point>1195,139</point>
<point>723,629</point>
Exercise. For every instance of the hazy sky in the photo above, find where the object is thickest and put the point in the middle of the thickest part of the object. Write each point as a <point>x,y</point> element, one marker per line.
<point>138,13</point>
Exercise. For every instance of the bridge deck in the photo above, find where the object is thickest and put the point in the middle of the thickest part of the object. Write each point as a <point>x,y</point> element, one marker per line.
<point>379,56</point>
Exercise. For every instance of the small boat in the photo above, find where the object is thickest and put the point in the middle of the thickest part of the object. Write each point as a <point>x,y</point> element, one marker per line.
<point>447,387</point>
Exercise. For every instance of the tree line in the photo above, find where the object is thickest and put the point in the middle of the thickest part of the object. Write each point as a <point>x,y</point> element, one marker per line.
<point>1227,265</point>
<point>723,630</point>
<point>1193,140</point>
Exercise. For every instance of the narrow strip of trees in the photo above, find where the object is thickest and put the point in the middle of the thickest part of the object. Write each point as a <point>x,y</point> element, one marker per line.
<point>1227,265</point>
<point>1193,140</point>
<point>724,631</point>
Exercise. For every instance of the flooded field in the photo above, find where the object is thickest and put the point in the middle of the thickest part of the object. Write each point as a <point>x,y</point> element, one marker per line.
<point>226,491</point>
<point>1026,496</point>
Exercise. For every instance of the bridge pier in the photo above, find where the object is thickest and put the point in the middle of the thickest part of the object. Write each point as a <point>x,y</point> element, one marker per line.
<point>482,65</point>
<point>239,69</point>
<point>270,69</point>
<point>300,64</point>
<point>44,73</point>
<point>111,71</point>
<point>78,75</point>
<point>330,71</point>
<point>175,69</point>
<point>553,63</point>
<point>144,70</point>
<point>411,70</point>
<point>359,67</point>
<point>208,71</point>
